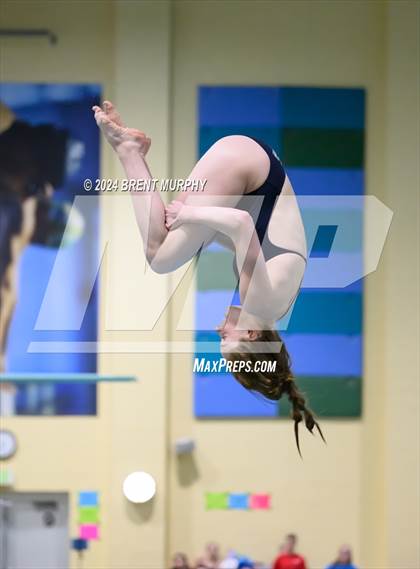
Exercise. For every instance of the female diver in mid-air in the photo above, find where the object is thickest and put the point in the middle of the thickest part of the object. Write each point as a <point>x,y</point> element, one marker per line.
<point>249,205</point>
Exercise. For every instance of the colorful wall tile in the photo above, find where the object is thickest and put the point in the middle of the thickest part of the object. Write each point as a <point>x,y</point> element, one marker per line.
<point>88,515</point>
<point>237,501</point>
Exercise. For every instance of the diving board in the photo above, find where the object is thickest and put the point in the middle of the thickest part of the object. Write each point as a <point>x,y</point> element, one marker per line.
<point>64,378</point>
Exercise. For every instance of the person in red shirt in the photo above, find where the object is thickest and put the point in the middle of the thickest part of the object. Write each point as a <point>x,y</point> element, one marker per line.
<point>288,558</point>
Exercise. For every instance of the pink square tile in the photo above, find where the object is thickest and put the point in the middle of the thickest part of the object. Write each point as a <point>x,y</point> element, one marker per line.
<point>89,531</point>
<point>260,501</point>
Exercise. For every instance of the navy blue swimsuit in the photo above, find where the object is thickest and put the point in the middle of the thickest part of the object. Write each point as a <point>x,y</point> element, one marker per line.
<point>261,212</point>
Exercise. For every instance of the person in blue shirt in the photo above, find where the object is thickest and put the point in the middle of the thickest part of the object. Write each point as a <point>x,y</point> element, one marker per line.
<point>245,563</point>
<point>344,559</point>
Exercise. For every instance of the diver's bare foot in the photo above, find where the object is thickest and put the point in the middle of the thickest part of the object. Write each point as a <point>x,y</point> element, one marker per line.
<point>112,113</point>
<point>121,138</point>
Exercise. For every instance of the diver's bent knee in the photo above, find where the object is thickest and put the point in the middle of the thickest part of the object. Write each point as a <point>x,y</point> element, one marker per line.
<point>159,268</point>
<point>163,266</point>
<point>154,264</point>
<point>158,265</point>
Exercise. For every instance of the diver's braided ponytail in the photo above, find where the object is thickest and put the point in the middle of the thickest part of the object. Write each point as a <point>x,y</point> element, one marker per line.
<point>273,385</point>
<point>300,411</point>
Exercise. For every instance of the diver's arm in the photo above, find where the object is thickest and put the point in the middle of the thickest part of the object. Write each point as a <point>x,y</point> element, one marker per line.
<point>239,227</point>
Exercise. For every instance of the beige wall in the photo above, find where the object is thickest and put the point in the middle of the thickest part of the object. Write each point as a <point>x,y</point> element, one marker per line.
<point>401,312</point>
<point>351,492</point>
<point>150,57</point>
<point>66,453</point>
<point>99,43</point>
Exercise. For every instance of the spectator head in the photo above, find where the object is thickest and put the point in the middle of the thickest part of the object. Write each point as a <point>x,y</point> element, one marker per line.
<point>180,561</point>
<point>290,543</point>
<point>212,551</point>
<point>344,555</point>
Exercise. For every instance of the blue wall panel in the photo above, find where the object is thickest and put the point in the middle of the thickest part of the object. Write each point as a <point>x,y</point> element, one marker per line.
<point>325,332</point>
